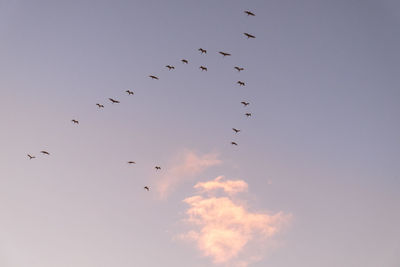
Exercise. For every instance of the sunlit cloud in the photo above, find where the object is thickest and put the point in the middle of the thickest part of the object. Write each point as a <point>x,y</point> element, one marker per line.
<point>184,168</point>
<point>224,227</point>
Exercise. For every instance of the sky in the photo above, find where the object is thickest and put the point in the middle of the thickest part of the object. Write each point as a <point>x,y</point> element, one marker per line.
<point>313,181</point>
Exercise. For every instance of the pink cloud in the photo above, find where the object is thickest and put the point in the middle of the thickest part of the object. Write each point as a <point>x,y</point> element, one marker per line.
<point>185,168</point>
<point>224,228</point>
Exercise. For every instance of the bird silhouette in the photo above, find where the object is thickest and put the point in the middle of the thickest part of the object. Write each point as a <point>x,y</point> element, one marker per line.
<point>245,103</point>
<point>185,61</point>
<point>129,92</point>
<point>153,77</point>
<point>241,83</point>
<point>45,152</point>
<point>202,51</point>
<point>99,105</point>
<point>203,68</point>
<point>238,69</point>
<point>234,143</point>
<point>147,188</point>
<point>248,35</point>
<point>31,157</point>
<point>249,13</point>
<point>224,54</point>
<point>131,162</point>
<point>170,67</point>
<point>235,130</point>
<point>248,114</point>
<point>114,101</point>
<point>75,121</point>
<point>157,168</point>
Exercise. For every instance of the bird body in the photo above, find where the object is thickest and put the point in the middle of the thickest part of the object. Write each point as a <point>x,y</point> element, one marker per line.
<point>45,152</point>
<point>185,61</point>
<point>157,168</point>
<point>131,162</point>
<point>100,105</point>
<point>224,54</point>
<point>241,83</point>
<point>202,51</point>
<point>248,114</point>
<point>235,130</point>
<point>203,68</point>
<point>249,13</point>
<point>129,92</point>
<point>31,157</point>
<point>170,67</point>
<point>245,103</point>
<point>75,121</point>
<point>234,143</point>
<point>153,77</point>
<point>248,35</point>
<point>114,101</point>
<point>238,69</point>
<point>146,188</point>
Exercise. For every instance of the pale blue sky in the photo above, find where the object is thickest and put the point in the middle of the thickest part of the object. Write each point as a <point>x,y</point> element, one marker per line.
<point>322,78</point>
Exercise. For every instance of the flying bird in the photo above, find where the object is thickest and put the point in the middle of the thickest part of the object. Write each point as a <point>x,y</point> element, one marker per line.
<point>75,121</point>
<point>114,101</point>
<point>238,69</point>
<point>202,51</point>
<point>153,77</point>
<point>157,168</point>
<point>131,162</point>
<point>147,188</point>
<point>31,157</point>
<point>249,35</point>
<point>129,92</point>
<point>248,114</point>
<point>45,152</point>
<point>185,61</point>
<point>233,143</point>
<point>100,105</point>
<point>245,103</point>
<point>235,130</point>
<point>203,68</point>
<point>224,54</point>
<point>170,67</point>
<point>241,83</point>
<point>249,13</point>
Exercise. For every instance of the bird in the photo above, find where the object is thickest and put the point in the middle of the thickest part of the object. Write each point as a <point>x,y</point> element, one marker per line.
<point>245,103</point>
<point>114,101</point>
<point>233,143</point>
<point>31,157</point>
<point>235,130</point>
<point>131,162</point>
<point>45,152</point>
<point>249,35</point>
<point>129,92</point>
<point>75,121</point>
<point>248,114</point>
<point>203,68</point>
<point>249,13</point>
<point>185,61</point>
<point>153,77</point>
<point>157,167</point>
<point>146,188</point>
<point>224,54</point>
<point>241,83</point>
<point>100,105</point>
<point>170,67</point>
<point>238,69</point>
<point>202,51</point>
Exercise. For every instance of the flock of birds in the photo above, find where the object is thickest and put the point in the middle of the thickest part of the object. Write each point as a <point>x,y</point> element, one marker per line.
<point>171,67</point>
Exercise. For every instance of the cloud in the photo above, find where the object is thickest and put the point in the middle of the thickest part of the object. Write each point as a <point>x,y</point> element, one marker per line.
<point>185,167</point>
<point>224,228</point>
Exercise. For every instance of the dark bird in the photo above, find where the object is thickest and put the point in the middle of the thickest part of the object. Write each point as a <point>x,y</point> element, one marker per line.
<point>248,114</point>
<point>157,167</point>
<point>153,77</point>
<point>170,67</point>
<point>31,157</point>
<point>45,152</point>
<point>233,143</point>
<point>202,51</point>
<point>131,162</point>
<point>238,69</point>
<point>185,61</point>
<point>224,54</point>
<point>203,68</point>
<point>114,101</point>
<point>147,188</point>
<point>249,13</point>
<point>235,130</point>
<point>245,103</point>
<point>75,121</point>
<point>129,92</point>
<point>241,83</point>
<point>249,35</point>
<point>100,105</point>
